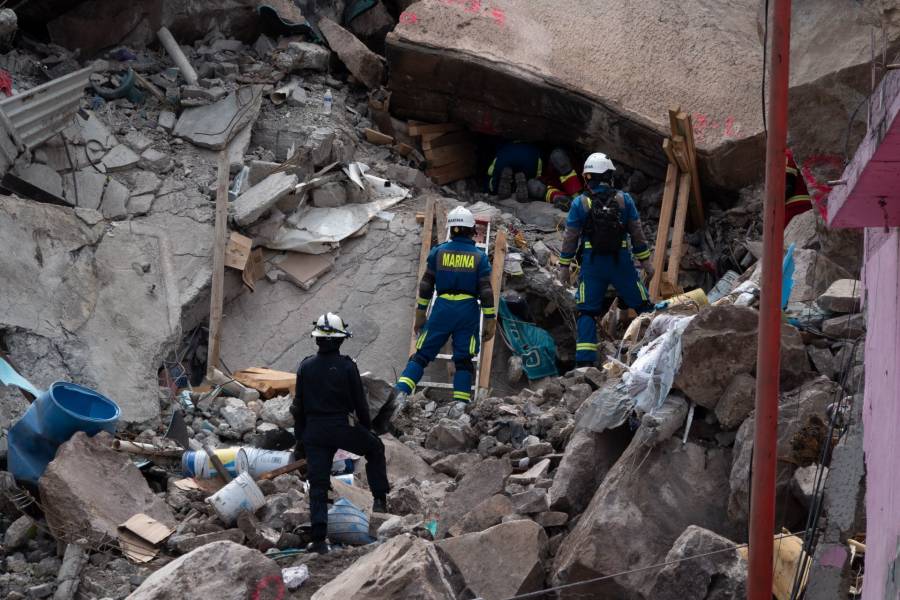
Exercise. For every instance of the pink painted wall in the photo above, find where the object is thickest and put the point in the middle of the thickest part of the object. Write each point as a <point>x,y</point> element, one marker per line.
<point>881,413</point>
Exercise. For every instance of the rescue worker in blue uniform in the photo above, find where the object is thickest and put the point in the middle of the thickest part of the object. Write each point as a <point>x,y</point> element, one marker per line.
<point>601,222</point>
<point>328,391</point>
<point>517,161</point>
<point>461,273</point>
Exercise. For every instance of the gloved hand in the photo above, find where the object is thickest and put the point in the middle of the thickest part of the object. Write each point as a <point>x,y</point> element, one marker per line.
<point>488,329</point>
<point>564,275</point>
<point>648,268</point>
<point>420,320</point>
<point>562,202</point>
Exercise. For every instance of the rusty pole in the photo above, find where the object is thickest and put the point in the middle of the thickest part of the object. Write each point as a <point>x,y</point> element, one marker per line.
<point>765,438</point>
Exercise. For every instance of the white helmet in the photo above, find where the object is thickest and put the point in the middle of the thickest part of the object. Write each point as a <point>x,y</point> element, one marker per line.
<point>330,325</point>
<point>460,217</point>
<point>598,163</point>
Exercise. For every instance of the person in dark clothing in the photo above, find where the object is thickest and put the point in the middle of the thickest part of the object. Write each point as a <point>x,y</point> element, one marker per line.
<point>329,390</point>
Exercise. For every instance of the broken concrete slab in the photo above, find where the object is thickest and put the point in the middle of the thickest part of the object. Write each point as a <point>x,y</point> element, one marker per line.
<point>611,535</point>
<point>222,570</point>
<point>92,487</point>
<point>514,550</point>
<point>403,567</point>
<point>478,484</point>
<point>253,204</point>
<point>717,573</point>
<point>214,125</point>
<point>119,158</point>
<point>366,66</point>
<point>842,296</point>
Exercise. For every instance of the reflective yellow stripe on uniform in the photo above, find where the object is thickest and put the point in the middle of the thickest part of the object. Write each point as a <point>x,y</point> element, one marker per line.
<point>464,396</point>
<point>586,346</point>
<point>456,296</point>
<point>421,339</point>
<point>797,198</point>
<point>409,382</point>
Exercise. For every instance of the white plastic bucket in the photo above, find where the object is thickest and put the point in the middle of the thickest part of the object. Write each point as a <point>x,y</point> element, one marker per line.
<point>197,463</point>
<point>259,461</point>
<point>241,494</point>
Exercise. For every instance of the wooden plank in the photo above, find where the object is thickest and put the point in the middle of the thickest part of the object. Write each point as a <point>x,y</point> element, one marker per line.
<point>378,138</point>
<point>217,296</point>
<point>681,210</point>
<point>487,350</point>
<point>446,139</point>
<point>449,154</point>
<point>423,261</point>
<point>416,128</point>
<point>687,125</point>
<point>662,233</point>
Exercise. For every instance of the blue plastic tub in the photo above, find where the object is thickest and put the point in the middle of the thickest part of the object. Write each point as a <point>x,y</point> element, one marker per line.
<point>56,415</point>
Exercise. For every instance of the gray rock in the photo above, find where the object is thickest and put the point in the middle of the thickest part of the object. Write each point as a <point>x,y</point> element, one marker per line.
<point>451,436</point>
<point>845,326</point>
<point>719,576</point>
<point>530,501</point>
<point>520,547</point>
<point>239,417</point>
<point>156,161</point>
<point>330,195</point>
<point>278,411</point>
<point>253,204</point>
<point>478,484</point>
<point>737,401</point>
<point>120,158</point>
<point>222,570</point>
<point>302,56</point>
<point>19,532</point>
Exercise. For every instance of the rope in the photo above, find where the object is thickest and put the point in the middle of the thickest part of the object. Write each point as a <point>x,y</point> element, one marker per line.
<point>638,570</point>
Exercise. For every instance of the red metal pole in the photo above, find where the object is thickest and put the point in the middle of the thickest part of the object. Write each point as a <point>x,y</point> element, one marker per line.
<point>765,438</point>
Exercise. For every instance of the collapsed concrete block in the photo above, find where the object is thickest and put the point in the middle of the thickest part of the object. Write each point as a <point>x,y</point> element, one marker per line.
<point>222,570</point>
<point>93,489</point>
<point>737,401</point>
<point>611,535</point>
<point>481,482</point>
<point>500,562</point>
<point>252,204</point>
<point>403,567</point>
<point>720,575</point>
<point>365,65</point>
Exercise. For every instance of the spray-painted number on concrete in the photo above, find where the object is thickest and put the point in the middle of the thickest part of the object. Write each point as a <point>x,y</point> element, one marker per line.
<point>497,15</point>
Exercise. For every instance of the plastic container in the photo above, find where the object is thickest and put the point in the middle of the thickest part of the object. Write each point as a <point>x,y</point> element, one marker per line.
<point>55,416</point>
<point>240,494</point>
<point>197,463</point>
<point>348,525</point>
<point>257,461</point>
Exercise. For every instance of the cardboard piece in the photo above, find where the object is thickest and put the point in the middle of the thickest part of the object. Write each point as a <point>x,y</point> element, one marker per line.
<point>268,382</point>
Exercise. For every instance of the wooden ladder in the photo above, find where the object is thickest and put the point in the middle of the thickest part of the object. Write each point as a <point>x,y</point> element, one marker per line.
<point>681,174</point>
<point>436,211</point>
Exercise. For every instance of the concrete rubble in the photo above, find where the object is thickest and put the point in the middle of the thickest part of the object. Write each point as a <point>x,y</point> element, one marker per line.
<point>109,266</point>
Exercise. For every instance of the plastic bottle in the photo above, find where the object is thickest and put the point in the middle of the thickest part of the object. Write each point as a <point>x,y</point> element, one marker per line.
<point>329,101</point>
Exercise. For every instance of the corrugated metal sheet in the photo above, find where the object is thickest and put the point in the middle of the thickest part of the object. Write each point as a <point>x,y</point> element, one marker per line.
<point>40,113</point>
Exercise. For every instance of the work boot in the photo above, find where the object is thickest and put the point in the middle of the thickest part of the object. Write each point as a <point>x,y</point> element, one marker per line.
<point>504,186</point>
<point>521,187</point>
<point>320,547</point>
<point>380,505</point>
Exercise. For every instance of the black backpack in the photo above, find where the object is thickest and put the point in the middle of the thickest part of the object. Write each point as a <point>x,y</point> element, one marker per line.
<point>604,227</point>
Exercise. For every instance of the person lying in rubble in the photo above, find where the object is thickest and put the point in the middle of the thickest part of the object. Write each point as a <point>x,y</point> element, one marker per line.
<point>461,273</point>
<point>329,390</point>
<point>601,223</point>
<point>557,184</point>
<point>514,163</point>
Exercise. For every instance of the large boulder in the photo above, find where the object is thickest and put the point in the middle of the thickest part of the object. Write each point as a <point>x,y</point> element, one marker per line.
<point>478,484</point>
<point>588,457</point>
<point>91,488</point>
<point>500,562</point>
<point>403,567</point>
<point>719,576</point>
<point>646,501</point>
<point>794,410</point>
<point>221,570</point>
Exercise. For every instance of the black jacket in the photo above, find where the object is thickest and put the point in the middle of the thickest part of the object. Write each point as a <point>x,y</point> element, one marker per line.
<point>328,387</point>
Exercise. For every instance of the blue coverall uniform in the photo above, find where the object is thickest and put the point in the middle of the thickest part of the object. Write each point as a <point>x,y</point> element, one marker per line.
<point>518,156</point>
<point>599,271</point>
<point>461,273</point>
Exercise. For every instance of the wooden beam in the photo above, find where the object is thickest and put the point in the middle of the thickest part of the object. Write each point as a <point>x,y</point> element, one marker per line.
<point>697,217</point>
<point>662,233</point>
<point>427,229</point>
<point>218,271</point>
<point>487,350</point>
<point>681,210</point>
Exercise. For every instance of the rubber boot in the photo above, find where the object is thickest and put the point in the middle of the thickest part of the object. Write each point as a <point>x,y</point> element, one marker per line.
<point>504,186</point>
<point>521,187</point>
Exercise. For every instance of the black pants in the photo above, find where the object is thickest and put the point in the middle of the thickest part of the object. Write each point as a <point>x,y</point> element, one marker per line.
<point>321,440</point>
